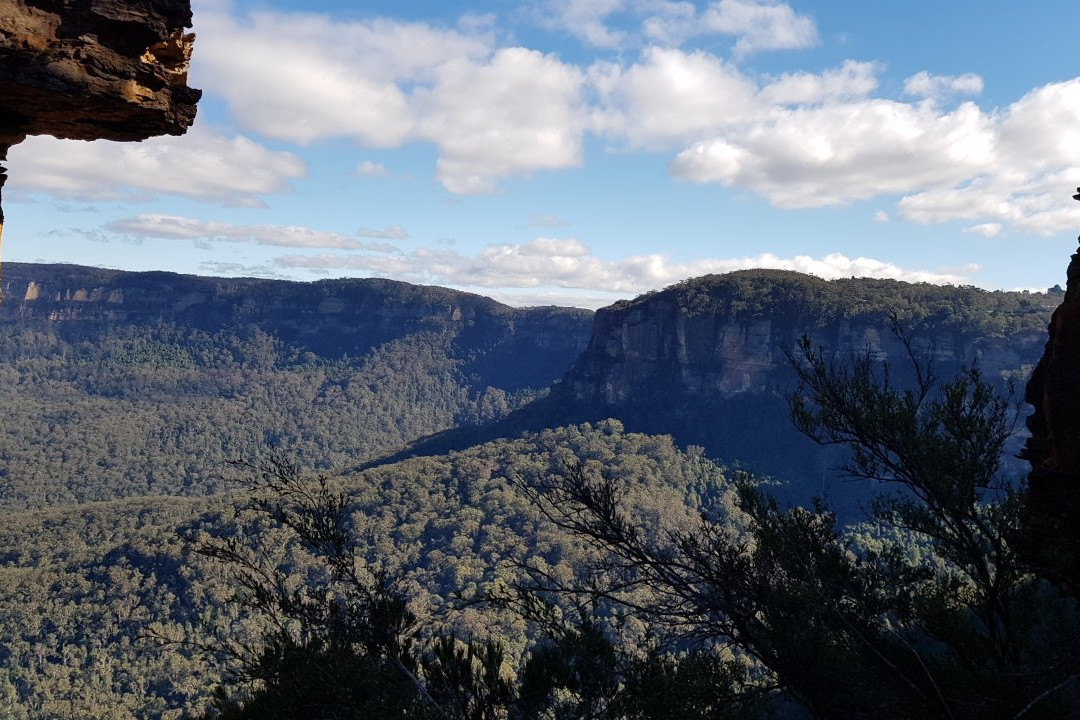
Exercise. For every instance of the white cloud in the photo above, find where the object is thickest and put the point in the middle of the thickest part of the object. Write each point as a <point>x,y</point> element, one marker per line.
<point>303,77</point>
<point>941,87</point>
<point>756,24</point>
<point>1036,141</point>
<point>851,80</point>
<point>668,23</point>
<point>1008,166</point>
<point>801,139</point>
<point>493,113</point>
<point>176,227</point>
<point>760,25</point>
<point>985,229</point>
<point>584,19</point>
<point>567,263</point>
<point>881,216</point>
<point>669,96</point>
<point>392,232</point>
<point>368,168</point>
<point>837,153</point>
<point>201,164</point>
<point>518,112</point>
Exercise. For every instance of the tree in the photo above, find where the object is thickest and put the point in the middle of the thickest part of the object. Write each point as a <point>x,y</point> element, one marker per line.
<point>346,646</point>
<point>941,622</point>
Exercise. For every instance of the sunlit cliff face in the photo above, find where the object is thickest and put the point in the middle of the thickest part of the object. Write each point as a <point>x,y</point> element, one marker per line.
<point>105,70</point>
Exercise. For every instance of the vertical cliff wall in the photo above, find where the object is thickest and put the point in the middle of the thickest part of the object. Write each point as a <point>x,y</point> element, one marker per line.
<point>1051,536</point>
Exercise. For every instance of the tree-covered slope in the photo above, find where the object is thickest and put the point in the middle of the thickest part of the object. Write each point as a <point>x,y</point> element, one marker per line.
<point>707,360</point>
<point>89,591</point>
<point>115,384</point>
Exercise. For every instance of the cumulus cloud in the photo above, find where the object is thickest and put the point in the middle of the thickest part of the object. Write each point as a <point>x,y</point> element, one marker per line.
<point>492,112</point>
<point>567,263</point>
<point>517,112</point>
<point>584,19</point>
<point>1008,166</point>
<point>941,87</point>
<point>800,139</point>
<point>176,227</point>
<point>760,25</point>
<point>881,216</point>
<point>669,96</point>
<point>303,77</point>
<point>1036,143</point>
<point>755,24</point>
<point>851,80</point>
<point>202,164</point>
<point>837,153</point>
<point>668,23</point>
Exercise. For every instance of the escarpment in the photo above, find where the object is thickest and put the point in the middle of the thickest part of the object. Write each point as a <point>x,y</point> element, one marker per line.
<point>1051,534</point>
<point>707,361</point>
<point>717,337</point>
<point>510,347</point>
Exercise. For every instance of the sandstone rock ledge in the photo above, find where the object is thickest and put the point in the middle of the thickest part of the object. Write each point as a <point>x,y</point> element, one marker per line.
<point>95,69</point>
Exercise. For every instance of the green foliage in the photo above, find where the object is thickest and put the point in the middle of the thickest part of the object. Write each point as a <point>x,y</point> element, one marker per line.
<point>152,394</point>
<point>350,622</point>
<point>934,619</point>
<point>785,296</point>
<point>96,598</point>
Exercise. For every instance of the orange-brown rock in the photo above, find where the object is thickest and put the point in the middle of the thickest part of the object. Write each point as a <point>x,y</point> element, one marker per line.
<point>95,69</point>
<point>1051,533</point>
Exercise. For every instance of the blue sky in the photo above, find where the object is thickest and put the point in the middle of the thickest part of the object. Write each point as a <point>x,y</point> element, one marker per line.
<point>576,152</point>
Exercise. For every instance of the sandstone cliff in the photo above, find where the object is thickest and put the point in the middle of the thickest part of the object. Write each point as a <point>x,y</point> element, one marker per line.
<point>706,361</point>
<point>510,347</point>
<point>93,69</point>
<point>98,69</point>
<point>1052,521</point>
<point>720,336</point>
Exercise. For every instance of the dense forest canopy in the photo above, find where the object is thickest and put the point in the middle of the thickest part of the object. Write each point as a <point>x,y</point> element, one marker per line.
<point>86,588</point>
<point>127,397</point>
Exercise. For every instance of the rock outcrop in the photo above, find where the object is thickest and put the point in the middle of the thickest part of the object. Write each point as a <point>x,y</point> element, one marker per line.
<point>718,337</point>
<point>93,70</point>
<point>1051,537</point>
<point>706,361</point>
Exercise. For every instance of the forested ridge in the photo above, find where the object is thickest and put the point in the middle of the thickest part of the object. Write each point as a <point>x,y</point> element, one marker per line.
<point>117,384</point>
<point>706,361</point>
<point>129,399</point>
<point>88,589</point>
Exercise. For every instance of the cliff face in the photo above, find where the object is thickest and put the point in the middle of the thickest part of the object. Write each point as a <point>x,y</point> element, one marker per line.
<point>1051,537</point>
<point>510,347</point>
<point>95,69</point>
<point>706,343</point>
<point>706,362</point>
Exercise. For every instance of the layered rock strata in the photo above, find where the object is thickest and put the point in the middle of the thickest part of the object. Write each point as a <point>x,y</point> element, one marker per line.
<point>94,70</point>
